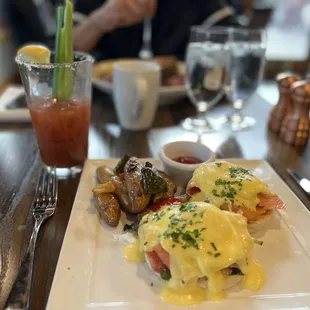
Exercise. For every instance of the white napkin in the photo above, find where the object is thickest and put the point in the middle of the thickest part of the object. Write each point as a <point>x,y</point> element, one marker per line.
<point>12,115</point>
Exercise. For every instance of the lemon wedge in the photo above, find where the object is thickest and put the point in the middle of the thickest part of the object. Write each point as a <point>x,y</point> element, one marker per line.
<point>35,53</point>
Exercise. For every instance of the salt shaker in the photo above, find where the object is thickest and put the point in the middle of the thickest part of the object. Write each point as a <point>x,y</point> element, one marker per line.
<point>284,105</point>
<point>295,126</point>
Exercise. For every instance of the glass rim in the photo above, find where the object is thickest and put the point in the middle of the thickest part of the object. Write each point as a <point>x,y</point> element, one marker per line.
<point>247,31</point>
<point>216,29</point>
<point>85,59</point>
<point>223,29</point>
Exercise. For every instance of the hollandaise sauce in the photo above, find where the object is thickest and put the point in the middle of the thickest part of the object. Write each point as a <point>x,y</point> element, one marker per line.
<point>133,254</point>
<point>223,183</point>
<point>200,246</point>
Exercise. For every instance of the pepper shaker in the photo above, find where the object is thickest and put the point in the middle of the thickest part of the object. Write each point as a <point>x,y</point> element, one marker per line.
<point>296,125</point>
<point>284,105</point>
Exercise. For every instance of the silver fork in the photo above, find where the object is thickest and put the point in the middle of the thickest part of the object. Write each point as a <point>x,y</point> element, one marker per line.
<point>44,206</point>
<point>146,49</point>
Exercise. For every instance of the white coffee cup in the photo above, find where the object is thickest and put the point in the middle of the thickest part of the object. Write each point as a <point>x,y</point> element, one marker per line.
<point>135,93</point>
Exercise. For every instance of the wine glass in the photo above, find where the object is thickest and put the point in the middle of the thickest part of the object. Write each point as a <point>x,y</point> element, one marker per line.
<point>206,61</point>
<point>244,72</point>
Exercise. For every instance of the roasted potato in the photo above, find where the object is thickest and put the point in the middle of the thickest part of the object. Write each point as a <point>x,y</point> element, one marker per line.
<point>104,174</point>
<point>121,193</point>
<point>107,187</point>
<point>108,208</point>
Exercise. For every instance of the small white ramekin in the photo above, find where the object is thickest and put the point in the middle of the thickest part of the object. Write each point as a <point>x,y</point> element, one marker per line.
<point>181,173</point>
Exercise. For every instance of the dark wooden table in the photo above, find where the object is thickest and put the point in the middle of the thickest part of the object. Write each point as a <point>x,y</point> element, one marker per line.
<point>19,165</point>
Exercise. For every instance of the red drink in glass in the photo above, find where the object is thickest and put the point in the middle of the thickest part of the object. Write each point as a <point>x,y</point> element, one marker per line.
<point>62,131</point>
<point>60,115</point>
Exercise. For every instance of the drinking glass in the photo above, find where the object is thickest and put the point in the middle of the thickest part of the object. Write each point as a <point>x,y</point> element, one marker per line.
<point>206,59</point>
<point>61,125</point>
<point>244,72</point>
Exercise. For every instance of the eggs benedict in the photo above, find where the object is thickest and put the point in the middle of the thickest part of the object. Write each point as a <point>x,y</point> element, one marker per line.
<point>199,250</point>
<point>234,188</point>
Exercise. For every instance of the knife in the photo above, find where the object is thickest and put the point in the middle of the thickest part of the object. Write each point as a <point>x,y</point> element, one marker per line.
<point>303,182</point>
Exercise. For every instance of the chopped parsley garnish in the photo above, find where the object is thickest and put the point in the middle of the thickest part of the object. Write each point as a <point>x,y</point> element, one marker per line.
<point>183,226</point>
<point>259,242</point>
<point>213,246</point>
<point>188,207</point>
<point>196,233</point>
<point>229,193</point>
<point>182,281</point>
<point>218,164</point>
<point>145,221</point>
<point>174,235</point>
<point>162,213</point>
<point>165,274</point>
<point>145,243</point>
<point>186,239</point>
<point>180,228</point>
<point>226,183</point>
<point>174,222</point>
<point>234,172</point>
<point>156,217</point>
<point>209,253</point>
<point>217,254</point>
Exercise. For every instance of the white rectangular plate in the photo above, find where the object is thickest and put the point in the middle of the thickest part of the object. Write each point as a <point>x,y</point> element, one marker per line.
<point>92,273</point>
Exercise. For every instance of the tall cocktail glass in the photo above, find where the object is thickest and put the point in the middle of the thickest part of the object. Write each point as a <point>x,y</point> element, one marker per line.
<point>61,123</point>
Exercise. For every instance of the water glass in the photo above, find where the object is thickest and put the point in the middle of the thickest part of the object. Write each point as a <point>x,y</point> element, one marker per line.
<point>206,62</point>
<point>244,72</point>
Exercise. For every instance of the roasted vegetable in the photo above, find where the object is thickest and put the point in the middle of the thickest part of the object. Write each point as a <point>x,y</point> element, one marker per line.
<point>153,183</point>
<point>138,198</point>
<point>165,273</point>
<point>121,193</point>
<point>104,174</point>
<point>133,227</point>
<point>108,208</point>
<point>121,165</point>
<point>107,187</point>
<point>171,188</point>
<point>140,215</point>
<point>163,203</point>
<point>236,271</point>
<point>183,198</point>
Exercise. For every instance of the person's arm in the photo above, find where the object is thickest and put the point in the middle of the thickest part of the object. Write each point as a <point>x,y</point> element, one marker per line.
<point>88,33</point>
<point>112,15</point>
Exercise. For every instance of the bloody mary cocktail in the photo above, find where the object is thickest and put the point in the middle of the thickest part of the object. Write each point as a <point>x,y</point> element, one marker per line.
<point>62,131</point>
<point>58,92</point>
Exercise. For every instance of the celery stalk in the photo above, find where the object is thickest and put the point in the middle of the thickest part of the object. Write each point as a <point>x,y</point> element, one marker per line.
<point>68,24</point>
<point>56,77</point>
<point>68,33</point>
<point>63,77</point>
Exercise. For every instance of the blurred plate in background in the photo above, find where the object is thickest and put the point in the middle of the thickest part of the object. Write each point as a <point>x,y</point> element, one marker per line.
<point>102,79</point>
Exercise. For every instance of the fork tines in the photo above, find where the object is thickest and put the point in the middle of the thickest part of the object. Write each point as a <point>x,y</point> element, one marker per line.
<point>46,192</point>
